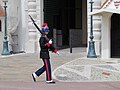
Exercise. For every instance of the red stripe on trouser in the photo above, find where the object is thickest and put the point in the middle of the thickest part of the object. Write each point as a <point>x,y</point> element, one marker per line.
<point>47,70</point>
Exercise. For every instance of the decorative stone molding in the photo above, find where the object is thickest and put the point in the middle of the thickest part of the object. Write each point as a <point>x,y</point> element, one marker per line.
<point>96,5</point>
<point>31,32</point>
<point>105,3</point>
<point>32,5</point>
<point>32,12</point>
<point>33,9</point>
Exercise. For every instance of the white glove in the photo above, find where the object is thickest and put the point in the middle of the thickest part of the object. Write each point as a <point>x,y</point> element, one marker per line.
<point>57,53</point>
<point>50,41</point>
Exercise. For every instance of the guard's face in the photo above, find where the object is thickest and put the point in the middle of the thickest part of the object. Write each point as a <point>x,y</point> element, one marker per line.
<point>46,33</point>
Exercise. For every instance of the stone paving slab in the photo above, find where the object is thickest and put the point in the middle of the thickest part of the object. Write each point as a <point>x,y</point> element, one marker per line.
<point>73,70</point>
<point>19,67</point>
<point>8,85</point>
<point>86,69</point>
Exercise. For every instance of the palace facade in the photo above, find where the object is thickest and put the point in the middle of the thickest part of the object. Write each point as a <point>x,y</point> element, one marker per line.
<point>69,23</point>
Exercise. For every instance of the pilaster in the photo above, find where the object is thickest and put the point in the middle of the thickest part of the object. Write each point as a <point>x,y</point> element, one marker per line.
<point>32,32</point>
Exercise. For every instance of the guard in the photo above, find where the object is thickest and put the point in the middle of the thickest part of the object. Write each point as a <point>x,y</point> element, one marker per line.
<point>46,46</point>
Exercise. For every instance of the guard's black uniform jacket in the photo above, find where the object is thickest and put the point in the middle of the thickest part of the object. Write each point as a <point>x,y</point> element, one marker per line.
<point>45,47</point>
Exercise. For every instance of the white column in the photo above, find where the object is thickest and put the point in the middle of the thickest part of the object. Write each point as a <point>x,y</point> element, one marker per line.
<point>39,12</point>
<point>96,26</point>
<point>32,32</point>
<point>35,9</point>
<point>39,21</point>
<point>106,25</point>
<point>23,26</point>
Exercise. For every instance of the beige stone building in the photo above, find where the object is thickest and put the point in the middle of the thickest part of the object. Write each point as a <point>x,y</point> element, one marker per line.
<point>66,19</point>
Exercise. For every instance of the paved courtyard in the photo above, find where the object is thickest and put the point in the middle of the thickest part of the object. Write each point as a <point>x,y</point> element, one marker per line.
<point>84,69</point>
<point>71,71</point>
<point>20,67</point>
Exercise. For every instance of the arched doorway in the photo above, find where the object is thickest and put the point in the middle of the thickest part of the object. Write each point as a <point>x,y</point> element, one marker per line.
<point>115,36</point>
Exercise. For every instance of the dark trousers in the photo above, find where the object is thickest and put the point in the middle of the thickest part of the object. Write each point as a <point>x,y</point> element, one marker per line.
<point>46,67</point>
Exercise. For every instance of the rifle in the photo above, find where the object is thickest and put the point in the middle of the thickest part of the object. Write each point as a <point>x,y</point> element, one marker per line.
<point>36,25</point>
<point>52,47</point>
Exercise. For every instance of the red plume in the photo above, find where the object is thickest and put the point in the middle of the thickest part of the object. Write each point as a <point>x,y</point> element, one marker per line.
<point>44,25</point>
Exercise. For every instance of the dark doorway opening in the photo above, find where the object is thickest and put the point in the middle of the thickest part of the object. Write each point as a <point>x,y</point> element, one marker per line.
<point>63,16</point>
<point>115,36</point>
